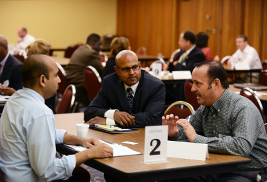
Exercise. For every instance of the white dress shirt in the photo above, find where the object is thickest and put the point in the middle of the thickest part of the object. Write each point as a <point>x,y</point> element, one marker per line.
<point>27,40</point>
<point>28,137</point>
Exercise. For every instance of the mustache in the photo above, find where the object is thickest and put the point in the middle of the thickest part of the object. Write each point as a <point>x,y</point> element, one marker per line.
<point>197,93</point>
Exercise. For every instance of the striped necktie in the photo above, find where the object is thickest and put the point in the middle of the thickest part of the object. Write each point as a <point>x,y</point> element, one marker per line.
<point>130,99</point>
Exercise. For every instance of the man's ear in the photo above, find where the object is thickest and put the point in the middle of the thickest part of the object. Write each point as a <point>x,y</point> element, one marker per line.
<point>42,81</point>
<point>116,69</point>
<point>217,83</point>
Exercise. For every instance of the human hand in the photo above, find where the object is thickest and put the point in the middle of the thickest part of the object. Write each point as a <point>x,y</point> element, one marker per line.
<point>166,66</point>
<point>19,40</point>
<point>96,120</point>
<point>174,63</point>
<point>7,90</point>
<point>188,129</point>
<point>171,121</point>
<point>91,142</point>
<point>100,151</point>
<point>124,118</point>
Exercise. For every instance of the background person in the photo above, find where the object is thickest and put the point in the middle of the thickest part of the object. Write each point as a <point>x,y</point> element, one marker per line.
<point>24,40</point>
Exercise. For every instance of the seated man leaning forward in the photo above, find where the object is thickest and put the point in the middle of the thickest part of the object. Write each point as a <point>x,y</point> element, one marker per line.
<point>227,122</point>
<point>130,97</point>
<point>27,130</point>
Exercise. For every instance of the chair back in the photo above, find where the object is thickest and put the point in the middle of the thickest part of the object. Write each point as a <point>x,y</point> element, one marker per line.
<point>1,177</point>
<point>181,112</point>
<point>263,77</point>
<point>225,59</point>
<point>141,51</point>
<point>254,98</point>
<point>264,65</point>
<point>70,50</point>
<point>190,97</point>
<point>103,57</point>
<point>265,127</point>
<point>67,103</point>
<point>20,57</point>
<point>174,54</point>
<point>92,81</point>
<point>63,77</point>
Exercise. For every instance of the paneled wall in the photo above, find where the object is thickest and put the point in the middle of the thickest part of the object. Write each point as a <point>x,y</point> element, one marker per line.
<point>156,24</point>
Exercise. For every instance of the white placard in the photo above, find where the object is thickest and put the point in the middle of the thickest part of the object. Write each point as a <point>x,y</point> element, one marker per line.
<point>181,75</point>
<point>187,150</point>
<point>156,138</point>
<point>156,69</point>
<point>242,66</point>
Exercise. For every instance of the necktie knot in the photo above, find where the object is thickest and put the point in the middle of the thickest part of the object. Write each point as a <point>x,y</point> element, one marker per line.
<point>130,99</point>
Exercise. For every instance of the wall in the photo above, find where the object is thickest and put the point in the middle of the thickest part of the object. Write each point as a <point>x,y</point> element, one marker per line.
<point>60,22</point>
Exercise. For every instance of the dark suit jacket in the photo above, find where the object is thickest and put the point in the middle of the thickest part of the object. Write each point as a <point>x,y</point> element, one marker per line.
<point>195,56</point>
<point>12,72</point>
<point>148,101</point>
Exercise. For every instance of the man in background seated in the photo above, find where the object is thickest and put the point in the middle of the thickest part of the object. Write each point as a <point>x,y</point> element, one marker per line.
<point>246,56</point>
<point>23,41</point>
<point>82,57</point>
<point>10,70</point>
<point>189,54</point>
<point>27,130</point>
<point>130,97</point>
<point>229,123</point>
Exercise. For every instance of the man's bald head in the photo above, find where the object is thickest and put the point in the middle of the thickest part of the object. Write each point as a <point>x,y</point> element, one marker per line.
<point>125,54</point>
<point>33,67</point>
<point>3,47</point>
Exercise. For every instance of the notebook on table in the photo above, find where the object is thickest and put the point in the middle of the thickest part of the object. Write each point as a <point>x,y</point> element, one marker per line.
<point>112,129</point>
<point>251,86</point>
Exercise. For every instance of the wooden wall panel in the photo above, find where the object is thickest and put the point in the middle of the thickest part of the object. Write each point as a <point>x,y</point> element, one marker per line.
<point>264,33</point>
<point>231,26</point>
<point>253,23</point>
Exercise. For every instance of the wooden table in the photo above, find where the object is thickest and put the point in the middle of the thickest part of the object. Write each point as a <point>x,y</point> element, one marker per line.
<point>262,97</point>
<point>250,71</point>
<point>132,168</point>
<point>62,61</point>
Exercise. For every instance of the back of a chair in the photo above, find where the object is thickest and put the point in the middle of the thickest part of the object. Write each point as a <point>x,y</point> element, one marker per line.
<point>182,113</point>
<point>174,54</point>
<point>1,177</point>
<point>92,81</point>
<point>190,97</point>
<point>67,103</point>
<point>20,57</point>
<point>254,98</point>
<point>70,50</point>
<point>63,84</point>
<point>263,78</point>
<point>265,127</point>
<point>141,51</point>
<point>225,59</point>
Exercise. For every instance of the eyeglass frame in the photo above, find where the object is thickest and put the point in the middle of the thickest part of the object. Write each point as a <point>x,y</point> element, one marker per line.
<point>128,69</point>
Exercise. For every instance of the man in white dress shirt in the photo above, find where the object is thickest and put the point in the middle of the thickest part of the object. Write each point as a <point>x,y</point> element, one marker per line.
<point>24,40</point>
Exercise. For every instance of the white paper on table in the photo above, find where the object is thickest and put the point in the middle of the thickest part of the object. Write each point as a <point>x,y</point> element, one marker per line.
<point>259,94</point>
<point>242,66</point>
<point>187,150</point>
<point>3,98</point>
<point>181,75</point>
<point>131,143</point>
<point>118,150</point>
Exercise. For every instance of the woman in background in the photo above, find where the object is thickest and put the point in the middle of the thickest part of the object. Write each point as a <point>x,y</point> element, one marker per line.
<point>117,44</point>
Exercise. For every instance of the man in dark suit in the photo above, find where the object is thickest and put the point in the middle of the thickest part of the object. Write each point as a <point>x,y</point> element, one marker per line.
<point>131,96</point>
<point>189,54</point>
<point>10,70</point>
<point>83,56</point>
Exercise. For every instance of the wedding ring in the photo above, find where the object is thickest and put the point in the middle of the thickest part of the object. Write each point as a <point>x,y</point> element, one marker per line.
<point>186,124</point>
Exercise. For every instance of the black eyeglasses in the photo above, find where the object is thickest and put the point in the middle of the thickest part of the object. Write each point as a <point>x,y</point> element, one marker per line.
<point>128,69</point>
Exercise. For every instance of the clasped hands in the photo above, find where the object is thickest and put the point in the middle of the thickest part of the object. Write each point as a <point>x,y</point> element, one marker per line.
<point>173,122</point>
<point>123,118</point>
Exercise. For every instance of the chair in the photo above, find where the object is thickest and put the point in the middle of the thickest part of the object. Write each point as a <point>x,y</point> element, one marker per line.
<point>174,54</point>
<point>141,51</point>
<point>190,97</point>
<point>180,112</point>
<point>103,57</point>
<point>1,177</point>
<point>67,103</point>
<point>92,81</point>
<point>263,77</point>
<point>225,59</point>
<point>70,50</point>
<point>20,57</point>
<point>63,84</point>
<point>230,76</point>
<point>254,98</point>
<point>265,126</point>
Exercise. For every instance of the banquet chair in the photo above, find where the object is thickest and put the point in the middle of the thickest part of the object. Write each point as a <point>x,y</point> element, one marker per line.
<point>20,57</point>
<point>67,103</point>
<point>174,54</point>
<point>141,51</point>
<point>92,81</point>
<point>225,59</point>
<point>190,97</point>
<point>70,50</point>
<point>63,77</point>
<point>254,98</point>
<point>230,76</point>
<point>181,112</point>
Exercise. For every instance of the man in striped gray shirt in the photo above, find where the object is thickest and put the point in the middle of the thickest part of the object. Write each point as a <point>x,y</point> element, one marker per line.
<point>227,122</point>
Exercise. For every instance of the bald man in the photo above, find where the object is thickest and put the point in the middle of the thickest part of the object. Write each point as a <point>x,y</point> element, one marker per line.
<point>27,130</point>
<point>130,97</point>
<point>10,70</point>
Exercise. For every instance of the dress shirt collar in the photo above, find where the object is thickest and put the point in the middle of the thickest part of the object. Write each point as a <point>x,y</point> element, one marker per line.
<point>225,98</point>
<point>189,50</point>
<point>3,62</point>
<point>89,47</point>
<point>134,87</point>
<point>34,93</point>
<point>246,50</point>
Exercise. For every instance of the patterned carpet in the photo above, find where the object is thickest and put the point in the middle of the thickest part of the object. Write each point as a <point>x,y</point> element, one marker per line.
<point>96,176</point>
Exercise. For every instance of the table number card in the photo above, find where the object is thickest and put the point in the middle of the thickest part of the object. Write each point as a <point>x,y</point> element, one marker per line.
<point>156,144</point>
<point>156,69</point>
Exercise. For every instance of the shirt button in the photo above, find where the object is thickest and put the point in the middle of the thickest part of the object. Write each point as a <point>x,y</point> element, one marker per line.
<point>214,115</point>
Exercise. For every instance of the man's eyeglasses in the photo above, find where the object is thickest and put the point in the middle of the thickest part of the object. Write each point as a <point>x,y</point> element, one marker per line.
<point>128,69</point>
